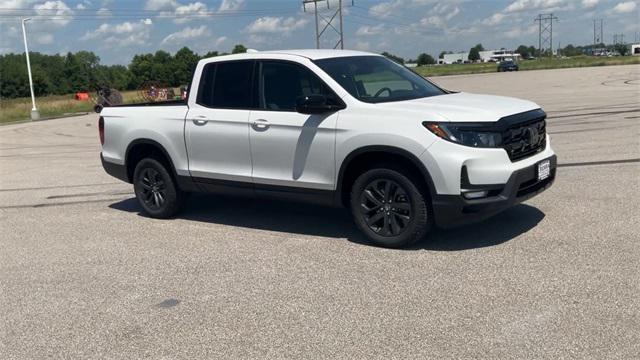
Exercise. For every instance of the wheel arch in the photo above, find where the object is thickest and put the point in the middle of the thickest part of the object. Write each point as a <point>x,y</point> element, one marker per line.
<point>139,149</point>
<point>357,161</point>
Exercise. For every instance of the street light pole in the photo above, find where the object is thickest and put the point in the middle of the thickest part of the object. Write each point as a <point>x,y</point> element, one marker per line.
<point>35,115</point>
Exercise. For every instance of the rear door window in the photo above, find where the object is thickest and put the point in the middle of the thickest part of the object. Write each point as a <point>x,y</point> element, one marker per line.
<point>226,85</point>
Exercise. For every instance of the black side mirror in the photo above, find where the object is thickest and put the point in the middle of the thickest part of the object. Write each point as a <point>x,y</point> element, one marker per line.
<point>314,104</point>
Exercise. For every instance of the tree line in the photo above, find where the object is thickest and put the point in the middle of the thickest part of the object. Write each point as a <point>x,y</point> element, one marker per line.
<point>82,71</point>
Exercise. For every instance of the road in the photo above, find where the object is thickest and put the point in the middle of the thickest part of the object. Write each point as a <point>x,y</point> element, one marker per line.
<point>84,275</point>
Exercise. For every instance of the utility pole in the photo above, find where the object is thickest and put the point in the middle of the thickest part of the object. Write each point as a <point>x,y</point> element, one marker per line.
<point>35,115</point>
<point>333,16</point>
<point>545,32</point>
<point>598,33</point>
<point>618,39</point>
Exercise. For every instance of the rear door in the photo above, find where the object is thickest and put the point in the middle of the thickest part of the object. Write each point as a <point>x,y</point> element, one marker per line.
<point>217,124</point>
<point>288,148</point>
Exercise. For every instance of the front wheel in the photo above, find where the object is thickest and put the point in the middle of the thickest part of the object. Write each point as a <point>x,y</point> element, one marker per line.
<point>155,189</point>
<point>389,208</point>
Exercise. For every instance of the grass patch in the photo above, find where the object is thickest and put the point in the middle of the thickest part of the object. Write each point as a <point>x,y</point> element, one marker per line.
<point>538,64</point>
<point>51,106</point>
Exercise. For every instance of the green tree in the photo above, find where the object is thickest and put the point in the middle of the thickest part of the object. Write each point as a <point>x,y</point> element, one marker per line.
<point>184,63</point>
<point>622,49</point>
<point>425,59</point>
<point>210,54</point>
<point>140,68</point>
<point>395,58</point>
<point>523,51</point>
<point>474,54</point>
<point>238,49</point>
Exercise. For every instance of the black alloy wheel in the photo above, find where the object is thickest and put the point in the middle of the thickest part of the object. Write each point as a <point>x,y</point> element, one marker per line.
<point>391,206</point>
<point>385,207</point>
<point>155,189</point>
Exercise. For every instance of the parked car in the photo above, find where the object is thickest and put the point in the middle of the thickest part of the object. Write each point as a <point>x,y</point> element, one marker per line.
<point>507,65</point>
<point>340,128</point>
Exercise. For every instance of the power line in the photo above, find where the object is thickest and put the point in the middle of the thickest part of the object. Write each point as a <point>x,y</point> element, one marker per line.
<point>90,14</point>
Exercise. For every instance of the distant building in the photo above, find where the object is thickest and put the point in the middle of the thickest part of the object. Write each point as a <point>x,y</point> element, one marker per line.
<point>485,56</point>
<point>635,49</point>
<point>454,58</point>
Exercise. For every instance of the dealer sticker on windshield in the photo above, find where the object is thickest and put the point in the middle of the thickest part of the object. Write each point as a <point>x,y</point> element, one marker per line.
<point>544,169</point>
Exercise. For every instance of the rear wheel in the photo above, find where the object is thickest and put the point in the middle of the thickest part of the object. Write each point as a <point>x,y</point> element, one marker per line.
<point>155,190</point>
<point>389,208</point>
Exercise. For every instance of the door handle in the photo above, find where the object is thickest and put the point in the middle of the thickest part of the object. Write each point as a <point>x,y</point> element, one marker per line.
<point>200,120</point>
<point>260,125</point>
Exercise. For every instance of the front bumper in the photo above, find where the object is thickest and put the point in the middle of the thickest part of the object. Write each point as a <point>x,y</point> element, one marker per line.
<point>455,210</point>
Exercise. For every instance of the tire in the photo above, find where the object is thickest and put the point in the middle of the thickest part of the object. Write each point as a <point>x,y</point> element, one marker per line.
<point>155,189</point>
<point>395,220</point>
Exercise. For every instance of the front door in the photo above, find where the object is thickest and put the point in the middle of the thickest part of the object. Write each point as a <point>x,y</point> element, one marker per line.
<point>217,125</point>
<point>290,149</point>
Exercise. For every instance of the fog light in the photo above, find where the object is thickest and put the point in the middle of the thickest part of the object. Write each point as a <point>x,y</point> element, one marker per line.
<point>476,194</point>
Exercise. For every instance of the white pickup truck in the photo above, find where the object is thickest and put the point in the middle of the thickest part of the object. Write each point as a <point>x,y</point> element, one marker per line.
<point>341,128</point>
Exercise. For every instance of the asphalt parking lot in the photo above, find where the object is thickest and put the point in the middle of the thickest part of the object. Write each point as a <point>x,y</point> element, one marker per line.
<point>84,275</point>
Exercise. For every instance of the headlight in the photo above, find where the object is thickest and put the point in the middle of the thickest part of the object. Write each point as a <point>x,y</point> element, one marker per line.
<point>465,134</point>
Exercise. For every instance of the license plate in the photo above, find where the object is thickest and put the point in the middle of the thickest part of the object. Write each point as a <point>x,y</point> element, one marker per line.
<point>544,169</point>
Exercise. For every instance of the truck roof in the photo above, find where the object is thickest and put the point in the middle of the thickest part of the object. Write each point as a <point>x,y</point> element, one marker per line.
<point>313,54</point>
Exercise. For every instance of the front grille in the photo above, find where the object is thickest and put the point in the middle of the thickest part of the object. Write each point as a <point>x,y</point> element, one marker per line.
<point>525,139</point>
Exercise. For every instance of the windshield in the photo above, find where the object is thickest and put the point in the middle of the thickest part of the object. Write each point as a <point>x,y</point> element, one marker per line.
<point>376,79</point>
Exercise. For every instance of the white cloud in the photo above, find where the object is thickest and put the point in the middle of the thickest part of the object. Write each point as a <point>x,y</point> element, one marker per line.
<point>363,46</point>
<point>121,35</point>
<point>453,13</point>
<point>518,32</point>
<point>383,10</point>
<point>432,21</point>
<point>58,9</point>
<point>281,25</point>
<point>367,30</point>
<point>588,4</point>
<point>448,10</point>
<point>199,39</point>
<point>495,19</point>
<point>104,12</point>
<point>45,39</point>
<point>625,7</point>
<point>525,5</point>
<point>219,41</point>
<point>186,34</point>
<point>156,5</point>
<point>188,12</point>
<point>231,5</point>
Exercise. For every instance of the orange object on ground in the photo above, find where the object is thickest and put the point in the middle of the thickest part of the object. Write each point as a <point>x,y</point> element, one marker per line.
<point>82,96</point>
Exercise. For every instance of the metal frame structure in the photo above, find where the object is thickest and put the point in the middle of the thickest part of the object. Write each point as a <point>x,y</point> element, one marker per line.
<point>328,21</point>
<point>598,29</point>
<point>545,32</point>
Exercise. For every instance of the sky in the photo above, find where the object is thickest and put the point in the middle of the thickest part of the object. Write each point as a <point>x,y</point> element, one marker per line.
<point>117,30</point>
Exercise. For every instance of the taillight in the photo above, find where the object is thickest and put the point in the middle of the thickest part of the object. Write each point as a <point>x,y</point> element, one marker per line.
<point>101,129</point>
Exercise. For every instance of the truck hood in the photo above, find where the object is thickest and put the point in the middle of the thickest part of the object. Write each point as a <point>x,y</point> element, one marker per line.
<point>462,107</point>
